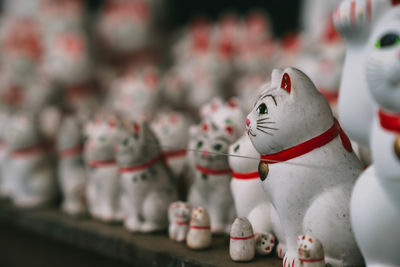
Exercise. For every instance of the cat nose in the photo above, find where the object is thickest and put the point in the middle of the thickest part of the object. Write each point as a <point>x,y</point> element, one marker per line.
<point>204,153</point>
<point>247,121</point>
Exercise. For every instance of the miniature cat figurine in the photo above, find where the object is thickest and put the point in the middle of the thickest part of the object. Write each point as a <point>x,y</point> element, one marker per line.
<point>211,188</point>
<point>242,243</point>
<point>103,186</point>
<point>265,243</point>
<point>292,126</point>
<point>199,235</point>
<point>148,186</point>
<point>72,173</point>
<point>29,166</point>
<point>255,206</point>
<point>376,220</point>
<point>179,217</point>
<point>310,252</point>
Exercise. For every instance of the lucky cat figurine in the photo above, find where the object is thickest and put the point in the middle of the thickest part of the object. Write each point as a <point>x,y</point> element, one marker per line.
<point>103,186</point>
<point>199,235</point>
<point>72,173</point>
<point>307,165</point>
<point>33,181</point>
<point>242,243</point>
<point>148,186</point>
<point>212,174</point>
<point>179,217</point>
<point>265,243</point>
<point>255,206</point>
<point>376,220</point>
<point>310,252</point>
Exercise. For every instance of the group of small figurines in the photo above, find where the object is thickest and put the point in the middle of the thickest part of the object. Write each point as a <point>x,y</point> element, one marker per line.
<point>164,150</point>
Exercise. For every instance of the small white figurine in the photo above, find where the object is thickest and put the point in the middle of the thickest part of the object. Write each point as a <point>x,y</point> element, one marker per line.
<point>29,166</point>
<point>147,184</point>
<point>199,235</point>
<point>310,252</point>
<point>265,243</point>
<point>179,217</point>
<point>376,220</point>
<point>72,173</point>
<point>103,187</point>
<point>307,165</point>
<point>242,243</point>
<point>211,188</point>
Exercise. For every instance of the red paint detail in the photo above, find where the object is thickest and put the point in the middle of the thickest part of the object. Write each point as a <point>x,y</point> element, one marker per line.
<point>246,176</point>
<point>369,9</point>
<point>200,227</point>
<point>353,12</point>
<point>309,145</point>
<point>311,260</point>
<point>175,153</point>
<point>151,79</point>
<point>100,164</point>
<point>272,241</point>
<point>390,122</point>
<point>214,107</point>
<point>174,118</point>
<point>291,42</point>
<point>310,240</point>
<point>286,84</point>
<point>395,2</point>
<point>232,103</point>
<point>70,152</point>
<point>303,237</point>
<point>204,127</point>
<point>204,153</point>
<point>136,127</point>
<point>229,130</point>
<point>213,171</point>
<point>247,121</point>
<point>141,166</point>
<point>181,223</point>
<point>242,237</point>
<point>330,95</point>
<point>330,34</point>
<point>26,152</point>
<point>72,44</point>
<point>293,262</point>
<point>268,248</point>
<point>284,263</point>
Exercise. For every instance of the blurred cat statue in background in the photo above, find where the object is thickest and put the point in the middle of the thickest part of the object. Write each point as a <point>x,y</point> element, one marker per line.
<point>179,218</point>
<point>199,235</point>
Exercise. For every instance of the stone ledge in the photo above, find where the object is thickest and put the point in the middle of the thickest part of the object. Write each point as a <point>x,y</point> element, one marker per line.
<point>115,242</point>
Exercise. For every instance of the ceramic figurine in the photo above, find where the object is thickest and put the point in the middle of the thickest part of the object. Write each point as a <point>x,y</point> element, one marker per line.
<point>292,126</point>
<point>103,187</point>
<point>199,235</point>
<point>32,177</point>
<point>242,243</point>
<point>376,221</point>
<point>256,206</point>
<point>310,252</point>
<point>179,217</point>
<point>212,174</point>
<point>265,244</point>
<point>355,20</point>
<point>72,173</point>
<point>147,184</point>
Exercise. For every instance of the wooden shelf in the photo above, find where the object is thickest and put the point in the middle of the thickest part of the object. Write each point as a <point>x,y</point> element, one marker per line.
<point>113,241</point>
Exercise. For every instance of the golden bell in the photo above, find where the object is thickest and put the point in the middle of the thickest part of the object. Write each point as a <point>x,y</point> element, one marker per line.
<point>396,147</point>
<point>263,170</point>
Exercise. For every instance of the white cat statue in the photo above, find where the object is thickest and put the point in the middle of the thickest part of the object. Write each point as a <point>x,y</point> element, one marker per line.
<point>310,252</point>
<point>199,235</point>
<point>72,173</point>
<point>376,220</point>
<point>147,184</point>
<point>179,217</point>
<point>242,243</point>
<point>103,187</point>
<point>29,166</point>
<point>212,174</point>
<point>255,206</point>
<point>307,166</point>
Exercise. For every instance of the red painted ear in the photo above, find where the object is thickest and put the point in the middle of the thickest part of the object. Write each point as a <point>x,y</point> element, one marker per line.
<point>174,119</point>
<point>286,84</point>
<point>232,103</point>
<point>136,127</point>
<point>204,127</point>
<point>310,239</point>
<point>395,2</point>
<point>229,130</point>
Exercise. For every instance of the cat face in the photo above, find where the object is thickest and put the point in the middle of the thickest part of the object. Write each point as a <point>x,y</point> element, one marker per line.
<point>179,212</point>
<point>211,144</point>
<point>200,217</point>
<point>264,243</point>
<point>383,62</point>
<point>243,147</point>
<point>70,133</point>
<point>22,132</point>
<point>309,248</point>
<point>289,111</point>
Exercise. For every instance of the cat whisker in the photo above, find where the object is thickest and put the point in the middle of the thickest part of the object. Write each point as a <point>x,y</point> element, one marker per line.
<point>265,127</point>
<point>264,131</point>
<point>266,122</point>
<point>263,119</point>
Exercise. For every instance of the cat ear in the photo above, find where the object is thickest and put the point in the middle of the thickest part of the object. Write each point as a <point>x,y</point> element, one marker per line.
<point>229,130</point>
<point>286,83</point>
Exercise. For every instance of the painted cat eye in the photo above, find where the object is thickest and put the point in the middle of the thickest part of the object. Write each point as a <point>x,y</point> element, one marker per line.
<point>218,147</point>
<point>387,40</point>
<point>103,139</point>
<point>199,144</point>
<point>262,109</point>
<point>125,142</point>
<point>236,148</point>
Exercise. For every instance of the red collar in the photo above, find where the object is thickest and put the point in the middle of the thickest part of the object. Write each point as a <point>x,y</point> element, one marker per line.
<point>330,95</point>
<point>242,237</point>
<point>141,166</point>
<point>246,176</point>
<point>311,260</point>
<point>100,164</point>
<point>70,152</point>
<point>207,227</point>
<point>28,151</point>
<point>181,223</point>
<point>175,153</point>
<point>390,122</point>
<point>212,171</point>
<point>309,145</point>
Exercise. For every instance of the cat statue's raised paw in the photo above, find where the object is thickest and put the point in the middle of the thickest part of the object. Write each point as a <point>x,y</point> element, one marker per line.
<point>310,252</point>
<point>242,243</point>
<point>307,165</point>
<point>199,236</point>
<point>147,184</point>
<point>376,220</point>
<point>179,218</point>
